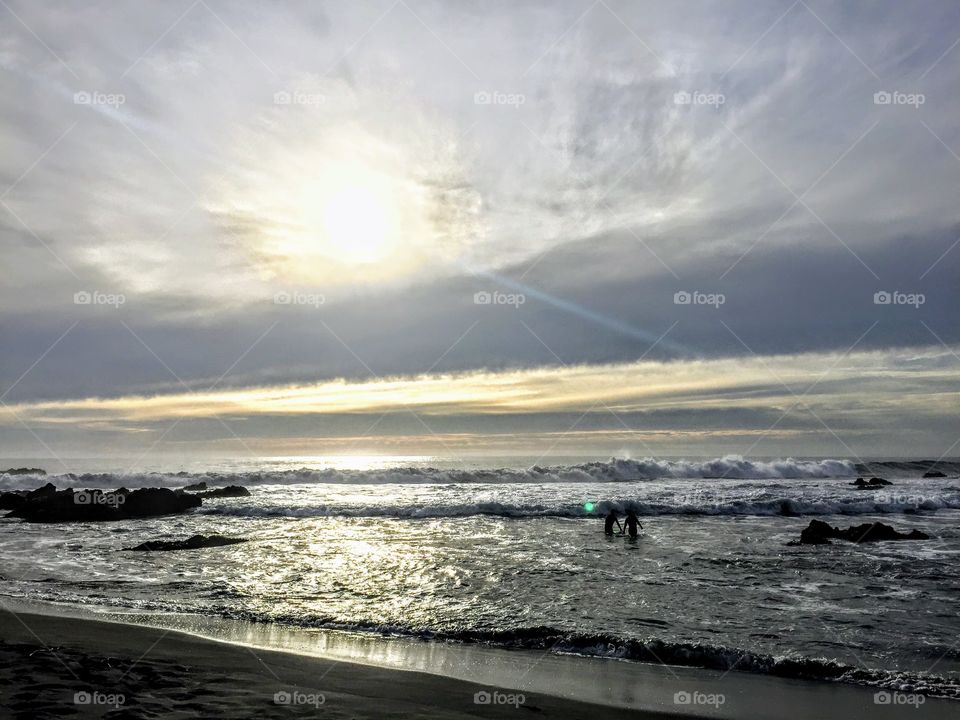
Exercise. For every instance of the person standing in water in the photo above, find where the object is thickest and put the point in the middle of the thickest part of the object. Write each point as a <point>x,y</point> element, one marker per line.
<point>608,522</point>
<point>631,522</point>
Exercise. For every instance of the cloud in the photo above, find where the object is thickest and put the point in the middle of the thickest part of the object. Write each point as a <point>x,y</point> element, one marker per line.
<point>595,162</point>
<point>692,399</point>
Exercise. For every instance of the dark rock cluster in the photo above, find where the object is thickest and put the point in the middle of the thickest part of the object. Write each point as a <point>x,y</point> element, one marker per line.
<point>821,533</point>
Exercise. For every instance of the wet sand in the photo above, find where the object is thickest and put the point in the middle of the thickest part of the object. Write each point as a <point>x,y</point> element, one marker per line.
<point>67,667</point>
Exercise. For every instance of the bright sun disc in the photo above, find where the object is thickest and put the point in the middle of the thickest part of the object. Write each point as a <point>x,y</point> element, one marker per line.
<point>359,225</point>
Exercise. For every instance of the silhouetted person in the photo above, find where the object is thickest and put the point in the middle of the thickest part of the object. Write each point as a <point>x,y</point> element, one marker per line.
<point>631,521</point>
<point>608,522</point>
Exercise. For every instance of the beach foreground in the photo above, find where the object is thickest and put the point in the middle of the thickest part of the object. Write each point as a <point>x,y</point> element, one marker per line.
<point>67,667</point>
<point>57,666</point>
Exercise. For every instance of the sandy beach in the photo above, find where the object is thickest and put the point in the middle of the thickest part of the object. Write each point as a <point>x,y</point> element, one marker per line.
<point>55,666</point>
<point>66,667</point>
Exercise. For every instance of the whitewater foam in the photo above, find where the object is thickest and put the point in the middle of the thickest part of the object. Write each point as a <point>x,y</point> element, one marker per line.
<point>613,470</point>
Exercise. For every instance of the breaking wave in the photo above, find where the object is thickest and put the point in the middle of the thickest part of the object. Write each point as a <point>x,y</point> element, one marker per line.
<point>875,503</point>
<point>613,470</point>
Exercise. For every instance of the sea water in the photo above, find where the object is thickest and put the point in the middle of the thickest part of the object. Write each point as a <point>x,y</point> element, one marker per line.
<point>511,554</point>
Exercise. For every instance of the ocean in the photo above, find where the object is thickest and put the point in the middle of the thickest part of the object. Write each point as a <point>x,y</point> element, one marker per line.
<point>510,552</point>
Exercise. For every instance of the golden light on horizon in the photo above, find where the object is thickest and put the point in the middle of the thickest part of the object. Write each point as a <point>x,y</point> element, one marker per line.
<point>646,385</point>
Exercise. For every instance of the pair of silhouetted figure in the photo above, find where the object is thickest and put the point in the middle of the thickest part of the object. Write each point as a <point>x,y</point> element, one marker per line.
<point>631,521</point>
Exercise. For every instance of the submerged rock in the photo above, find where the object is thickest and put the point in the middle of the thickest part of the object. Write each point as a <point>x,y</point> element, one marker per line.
<point>874,482</point>
<point>49,505</point>
<point>787,509</point>
<point>934,474</point>
<point>229,491</point>
<point>194,542</point>
<point>195,487</point>
<point>820,533</point>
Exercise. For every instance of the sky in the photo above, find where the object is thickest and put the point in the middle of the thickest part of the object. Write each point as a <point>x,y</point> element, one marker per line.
<point>450,228</point>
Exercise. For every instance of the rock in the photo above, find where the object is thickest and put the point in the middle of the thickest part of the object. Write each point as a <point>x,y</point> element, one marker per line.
<point>11,500</point>
<point>817,533</point>
<point>820,533</point>
<point>195,487</point>
<point>934,474</point>
<point>23,471</point>
<point>16,498</point>
<point>46,505</point>
<point>195,542</point>
<point>48,490</point>
<point>874,482</point>
<point>229,491</point>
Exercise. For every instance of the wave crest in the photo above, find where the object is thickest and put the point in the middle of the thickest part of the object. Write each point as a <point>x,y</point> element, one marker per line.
<point>733,467</point>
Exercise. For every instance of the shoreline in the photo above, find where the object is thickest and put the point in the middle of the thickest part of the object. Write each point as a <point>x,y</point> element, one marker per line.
<point>57,666</point>
<point>361,676</point>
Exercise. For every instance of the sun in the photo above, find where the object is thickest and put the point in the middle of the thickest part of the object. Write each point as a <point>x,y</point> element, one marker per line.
<point>343,207</point>
<point>346,219</point>
<point>360,225</point>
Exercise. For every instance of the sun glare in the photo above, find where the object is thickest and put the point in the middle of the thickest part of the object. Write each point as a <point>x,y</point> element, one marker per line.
<point>359,225</point>
<point>348,207</point>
